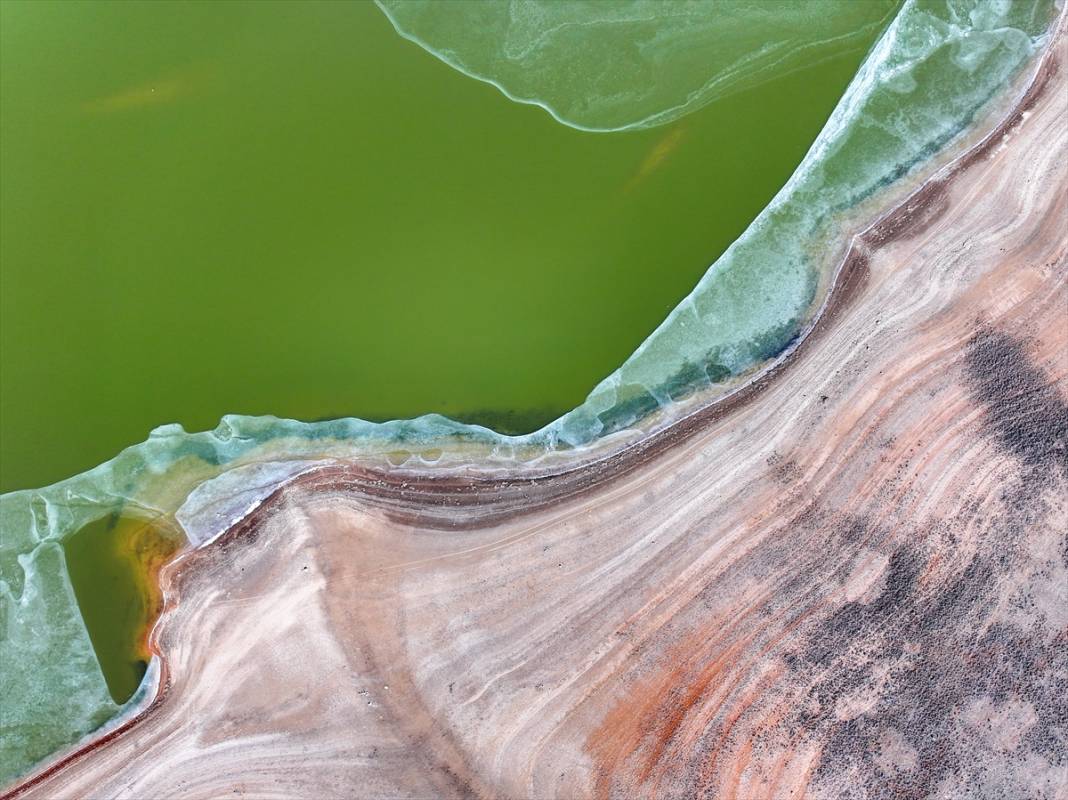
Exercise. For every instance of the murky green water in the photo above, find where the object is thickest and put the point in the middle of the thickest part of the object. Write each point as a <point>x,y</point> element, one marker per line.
<point>285,208</point>
<point>112,565</point>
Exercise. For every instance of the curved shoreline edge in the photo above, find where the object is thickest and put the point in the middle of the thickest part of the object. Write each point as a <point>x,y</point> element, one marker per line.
<point>464,502</point>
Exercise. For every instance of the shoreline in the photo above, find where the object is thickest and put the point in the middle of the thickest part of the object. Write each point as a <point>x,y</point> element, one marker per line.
<point>461,502</point>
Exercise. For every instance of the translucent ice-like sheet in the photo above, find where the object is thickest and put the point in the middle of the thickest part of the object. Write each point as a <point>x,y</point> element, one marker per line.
<point>609,66</point>
<point>935,68</point>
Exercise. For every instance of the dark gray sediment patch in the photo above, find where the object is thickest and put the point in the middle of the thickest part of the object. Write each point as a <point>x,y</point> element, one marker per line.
<point>961,665</point>
<point>1024,410</point>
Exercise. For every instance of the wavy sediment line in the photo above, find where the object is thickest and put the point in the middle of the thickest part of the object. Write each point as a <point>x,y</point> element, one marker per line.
<point>850,586</point>
<point>431,472</point>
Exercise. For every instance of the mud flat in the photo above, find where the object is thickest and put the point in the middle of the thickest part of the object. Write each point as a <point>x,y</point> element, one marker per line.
<point>849,583</point>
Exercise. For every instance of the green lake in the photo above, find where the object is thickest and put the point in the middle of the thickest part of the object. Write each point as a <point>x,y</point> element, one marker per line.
<point>286,208</point>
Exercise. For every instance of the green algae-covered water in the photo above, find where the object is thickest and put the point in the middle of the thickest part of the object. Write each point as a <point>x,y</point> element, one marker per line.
<point>291,209</point>
<point>286,208</point>
<point>112,564</point>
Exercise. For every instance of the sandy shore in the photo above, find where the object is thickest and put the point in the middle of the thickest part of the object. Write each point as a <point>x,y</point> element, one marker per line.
<point>851,582</point>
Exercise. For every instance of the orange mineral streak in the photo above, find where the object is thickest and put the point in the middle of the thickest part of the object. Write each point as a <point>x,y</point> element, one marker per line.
<point>160,91</point>
<point>636,736</point>
<point>143,547</point>
<point>658,154</point>
<point>702,679</point>
<point>149,546</point>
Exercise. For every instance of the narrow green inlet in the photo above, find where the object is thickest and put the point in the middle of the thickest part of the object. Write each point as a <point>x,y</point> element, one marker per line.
<point>112,565</point>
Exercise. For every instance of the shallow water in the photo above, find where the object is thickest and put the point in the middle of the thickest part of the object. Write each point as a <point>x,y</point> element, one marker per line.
<point>281,208</point>
<point>112,565</point>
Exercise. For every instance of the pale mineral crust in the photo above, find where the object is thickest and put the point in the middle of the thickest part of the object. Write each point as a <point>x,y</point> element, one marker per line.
<point>853,584</point>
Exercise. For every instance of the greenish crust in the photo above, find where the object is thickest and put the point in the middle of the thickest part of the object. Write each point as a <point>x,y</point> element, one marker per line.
<point>626,66</point>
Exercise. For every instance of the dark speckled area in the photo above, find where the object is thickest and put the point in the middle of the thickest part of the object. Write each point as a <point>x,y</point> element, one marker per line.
<point>973,697</point>
<point>1024,410</point>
